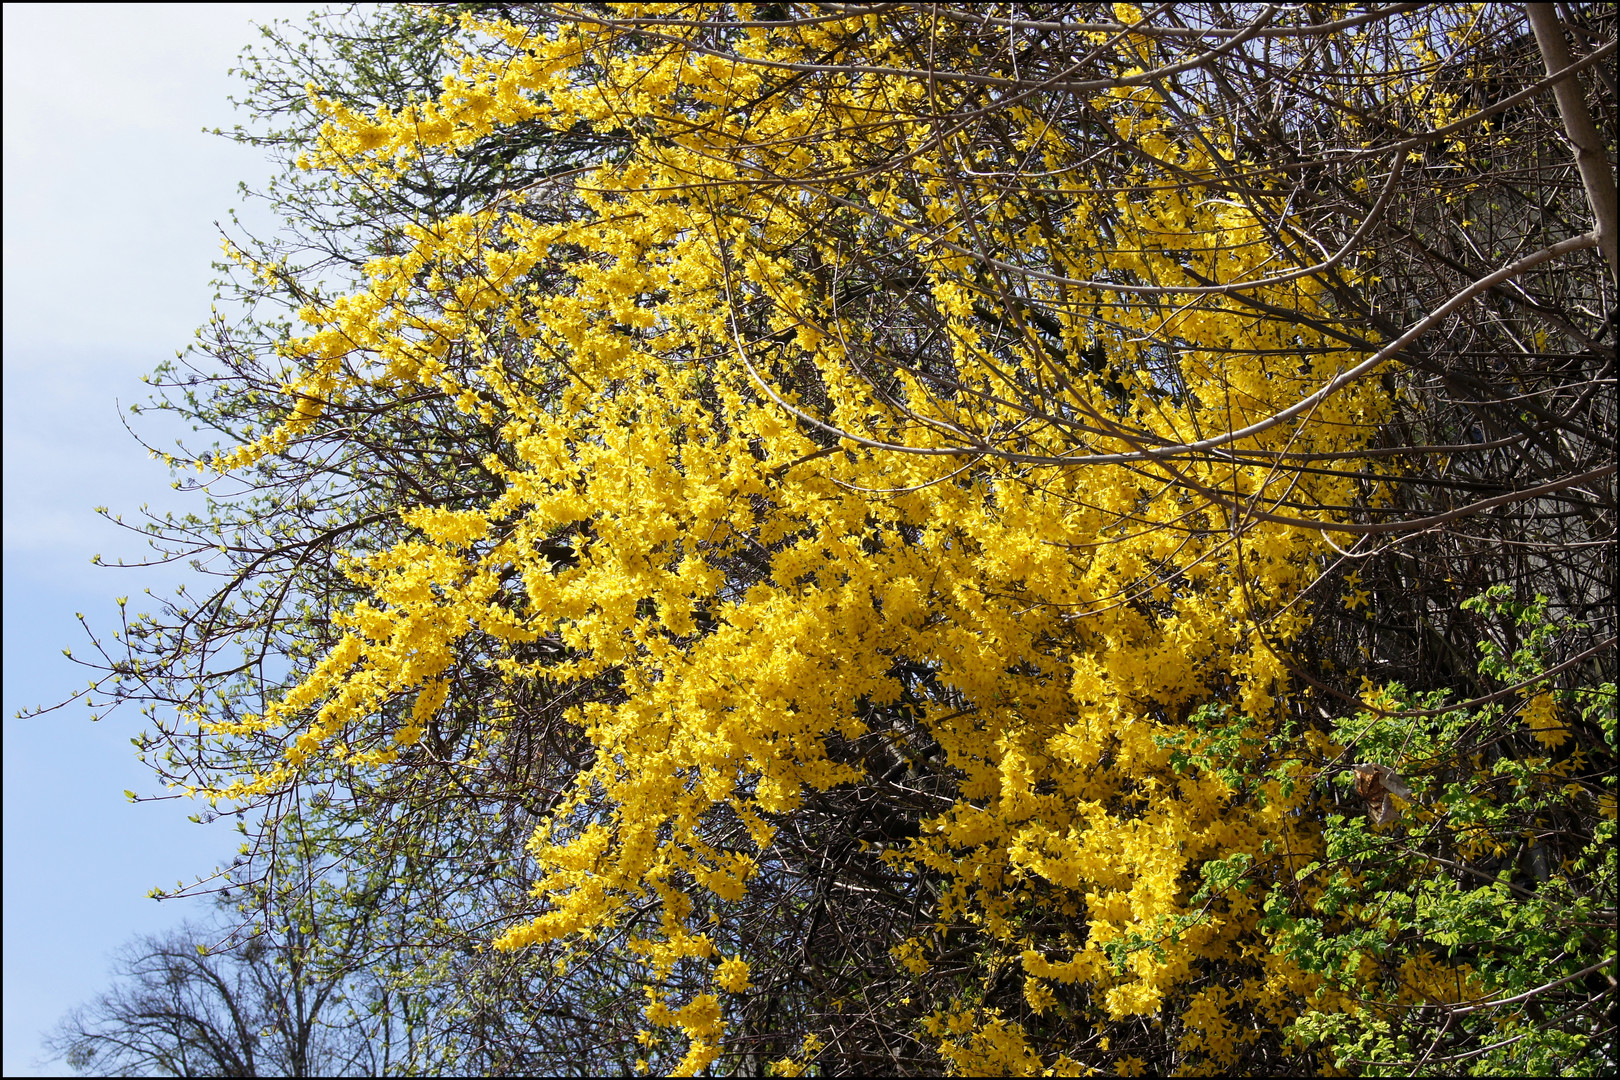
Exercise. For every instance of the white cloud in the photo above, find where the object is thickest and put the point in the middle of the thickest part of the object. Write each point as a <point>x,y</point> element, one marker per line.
<point>111,186</point>
<point>111,193</point>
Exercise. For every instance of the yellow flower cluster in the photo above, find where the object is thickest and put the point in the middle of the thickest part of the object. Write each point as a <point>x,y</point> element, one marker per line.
<point>1074,598</point>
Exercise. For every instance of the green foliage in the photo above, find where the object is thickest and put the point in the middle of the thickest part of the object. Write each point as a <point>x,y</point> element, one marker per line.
<point>1474,935</point>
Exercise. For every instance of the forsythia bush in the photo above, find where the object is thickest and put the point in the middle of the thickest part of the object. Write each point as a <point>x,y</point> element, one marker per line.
<point>856,427</point>
<point>1073,600</point>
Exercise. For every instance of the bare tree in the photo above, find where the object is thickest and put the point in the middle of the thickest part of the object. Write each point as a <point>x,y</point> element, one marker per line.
<point>259,1009</point>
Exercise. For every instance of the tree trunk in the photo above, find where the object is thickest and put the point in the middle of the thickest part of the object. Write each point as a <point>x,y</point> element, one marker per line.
<point>1596,175</point>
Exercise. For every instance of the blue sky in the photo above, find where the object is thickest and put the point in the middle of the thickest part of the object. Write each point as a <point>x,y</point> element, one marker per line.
<point>112,192</point>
